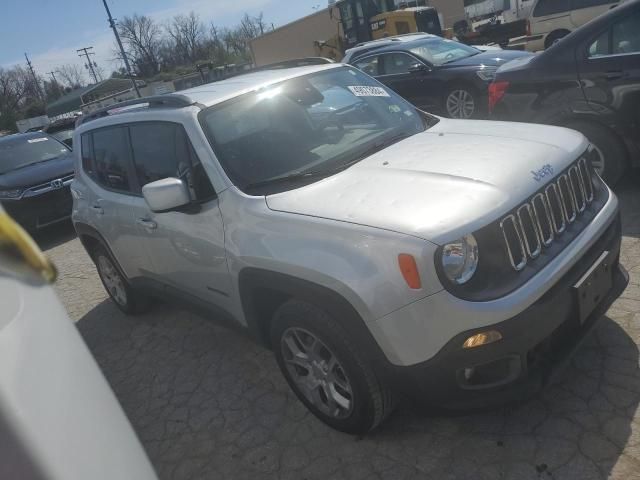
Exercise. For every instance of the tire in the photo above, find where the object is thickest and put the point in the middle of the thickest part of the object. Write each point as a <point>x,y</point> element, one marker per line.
<point>611,150</point>
<point>554,37</point>
<point>463,102</point>
<point>115,283</point>
<point>363,401</point>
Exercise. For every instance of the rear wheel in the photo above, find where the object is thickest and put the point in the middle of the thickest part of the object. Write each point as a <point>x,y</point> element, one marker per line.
<point>123,295</point>
<point>326,370</point>
<point>555,37</point>
<point>611,159</point>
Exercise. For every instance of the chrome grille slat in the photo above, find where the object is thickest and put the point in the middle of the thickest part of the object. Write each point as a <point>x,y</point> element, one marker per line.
<point>535,225</point>
<point>533,253</point>
<point>523,255</point>
<point>545,216</point>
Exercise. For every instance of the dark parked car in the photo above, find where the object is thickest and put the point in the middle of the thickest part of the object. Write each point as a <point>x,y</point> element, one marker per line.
<point>35,173</point>
<point>62,130</point>
<point>589,81</point>
<point>435,74</point>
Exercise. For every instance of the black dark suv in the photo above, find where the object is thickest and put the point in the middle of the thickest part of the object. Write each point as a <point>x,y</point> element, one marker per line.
<point>35,173</point>
<point>589,81</point>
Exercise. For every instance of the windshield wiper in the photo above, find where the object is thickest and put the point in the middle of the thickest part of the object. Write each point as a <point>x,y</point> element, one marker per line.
<point>293,177</point>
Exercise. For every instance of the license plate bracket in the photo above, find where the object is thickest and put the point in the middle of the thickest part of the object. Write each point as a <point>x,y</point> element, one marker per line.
<point>594,286</point>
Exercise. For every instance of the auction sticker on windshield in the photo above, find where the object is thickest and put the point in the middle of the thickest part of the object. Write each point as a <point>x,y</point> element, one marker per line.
<point>364,91</point>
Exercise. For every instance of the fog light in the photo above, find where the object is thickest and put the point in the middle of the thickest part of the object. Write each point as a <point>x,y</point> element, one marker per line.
<point>483,338</point>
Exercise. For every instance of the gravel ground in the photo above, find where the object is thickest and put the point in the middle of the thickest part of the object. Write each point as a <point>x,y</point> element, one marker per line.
<point>208,403</point>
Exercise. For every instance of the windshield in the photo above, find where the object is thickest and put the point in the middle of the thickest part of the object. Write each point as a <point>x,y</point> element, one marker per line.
<point>305,128</point>
<point>440,51</point>
<point>23,151</point>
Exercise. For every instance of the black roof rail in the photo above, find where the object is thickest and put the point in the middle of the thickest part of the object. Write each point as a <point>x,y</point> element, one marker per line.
<point>172,100</point>
<point>297,62</point>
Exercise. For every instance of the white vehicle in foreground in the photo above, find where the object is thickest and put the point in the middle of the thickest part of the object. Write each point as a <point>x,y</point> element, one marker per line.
<point>374,247</point>
<point>59,419</point>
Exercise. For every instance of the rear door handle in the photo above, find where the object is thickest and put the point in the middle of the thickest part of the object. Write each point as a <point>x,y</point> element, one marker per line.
<point>98,209</point>
<point>149,224</point>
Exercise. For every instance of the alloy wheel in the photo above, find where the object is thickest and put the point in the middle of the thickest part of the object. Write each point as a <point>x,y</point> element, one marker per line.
<point>317,373</point>
<point>112,280</point>
<point>460,104</point>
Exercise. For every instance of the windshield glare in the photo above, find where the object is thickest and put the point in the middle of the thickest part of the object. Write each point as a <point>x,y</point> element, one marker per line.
<point>316,123</point>
<point>23,151</point>
<point>438,51</point>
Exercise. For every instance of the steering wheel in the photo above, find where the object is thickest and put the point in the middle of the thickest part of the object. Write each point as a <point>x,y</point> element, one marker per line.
<point>449,56</point>
<point>333,128</point>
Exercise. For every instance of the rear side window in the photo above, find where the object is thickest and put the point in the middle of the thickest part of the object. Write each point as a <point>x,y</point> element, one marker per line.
<point>551,7</point>
<point>111,158</point>
<point>163,150</point>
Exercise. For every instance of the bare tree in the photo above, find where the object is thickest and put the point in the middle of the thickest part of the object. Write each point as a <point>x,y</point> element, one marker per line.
<point>71,75</point>
<point>187,34</point>
<point>18,93</point>
<point>143,37</point>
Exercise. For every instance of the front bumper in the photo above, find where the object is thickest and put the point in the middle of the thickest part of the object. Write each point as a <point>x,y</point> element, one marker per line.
<point>40,211</point>
<point>535,344</point>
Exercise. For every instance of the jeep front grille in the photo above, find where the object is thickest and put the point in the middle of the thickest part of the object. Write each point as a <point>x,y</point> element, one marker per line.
<point>535,225</point>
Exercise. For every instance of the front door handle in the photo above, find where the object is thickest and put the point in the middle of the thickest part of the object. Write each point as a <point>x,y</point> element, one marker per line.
<point>98,209</point>
<point>146,223</point>
<point>614,75</point>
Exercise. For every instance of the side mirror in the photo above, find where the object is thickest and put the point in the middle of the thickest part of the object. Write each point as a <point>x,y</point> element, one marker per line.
<point>419,67</point>
<point>166,194</point>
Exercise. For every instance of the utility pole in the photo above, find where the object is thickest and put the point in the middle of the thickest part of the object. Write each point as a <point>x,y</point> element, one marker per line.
<point>55,81</point>
<point>112,24</point>
<point>85,53</point>
<point>35,78</point>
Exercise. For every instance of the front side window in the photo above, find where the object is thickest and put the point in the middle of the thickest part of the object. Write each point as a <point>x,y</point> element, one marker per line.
<point>111,158</point>
<point>298,131</point>
<point>625,36</point>
<point>551,7</point>
<point>369,65</point>
<point>163,150</point>
<point>22,151</point>
<point>398,63</point>
<point>439,51</point>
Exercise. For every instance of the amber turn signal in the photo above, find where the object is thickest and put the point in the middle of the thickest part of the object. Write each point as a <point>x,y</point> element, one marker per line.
<point>409,270</point>
<point>483,338</point>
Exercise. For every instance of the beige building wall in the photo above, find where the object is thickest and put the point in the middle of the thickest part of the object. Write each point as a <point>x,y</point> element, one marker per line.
<point>294,40</point>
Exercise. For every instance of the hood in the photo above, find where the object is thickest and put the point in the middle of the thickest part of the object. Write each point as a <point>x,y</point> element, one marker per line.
<point>441,184</point>
<point>491,58</point>
<point>38,173</point>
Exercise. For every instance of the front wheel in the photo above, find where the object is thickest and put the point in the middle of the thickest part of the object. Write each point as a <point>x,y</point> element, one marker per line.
<point>327,371</point>
<point>462,102</point>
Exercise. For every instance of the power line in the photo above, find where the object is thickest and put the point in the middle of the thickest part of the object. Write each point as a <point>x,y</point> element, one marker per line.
<point>85,53</point>
<point>35,78</point>
<point>112,24</point>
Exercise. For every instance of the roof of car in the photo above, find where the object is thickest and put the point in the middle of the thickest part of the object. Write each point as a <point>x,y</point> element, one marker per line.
<point>400,42</point>
<point>217,92</point>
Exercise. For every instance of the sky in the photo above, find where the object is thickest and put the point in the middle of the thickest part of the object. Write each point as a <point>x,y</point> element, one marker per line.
<point>51,31</point>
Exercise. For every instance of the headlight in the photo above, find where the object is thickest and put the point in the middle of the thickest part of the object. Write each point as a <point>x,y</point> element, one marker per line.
<point>9,194</point>
<point>487,74</point>
<point>460,259</point>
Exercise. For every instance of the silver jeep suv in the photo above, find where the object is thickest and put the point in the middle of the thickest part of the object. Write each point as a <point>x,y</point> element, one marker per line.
<point>378,250</point>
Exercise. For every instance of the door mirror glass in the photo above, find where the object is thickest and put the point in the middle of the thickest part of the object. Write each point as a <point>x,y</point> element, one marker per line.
<point>166,194</point>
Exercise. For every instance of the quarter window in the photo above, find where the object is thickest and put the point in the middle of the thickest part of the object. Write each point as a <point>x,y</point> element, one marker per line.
<point>111,158</point>
<point>87,155</point>
<point>551,7</point>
